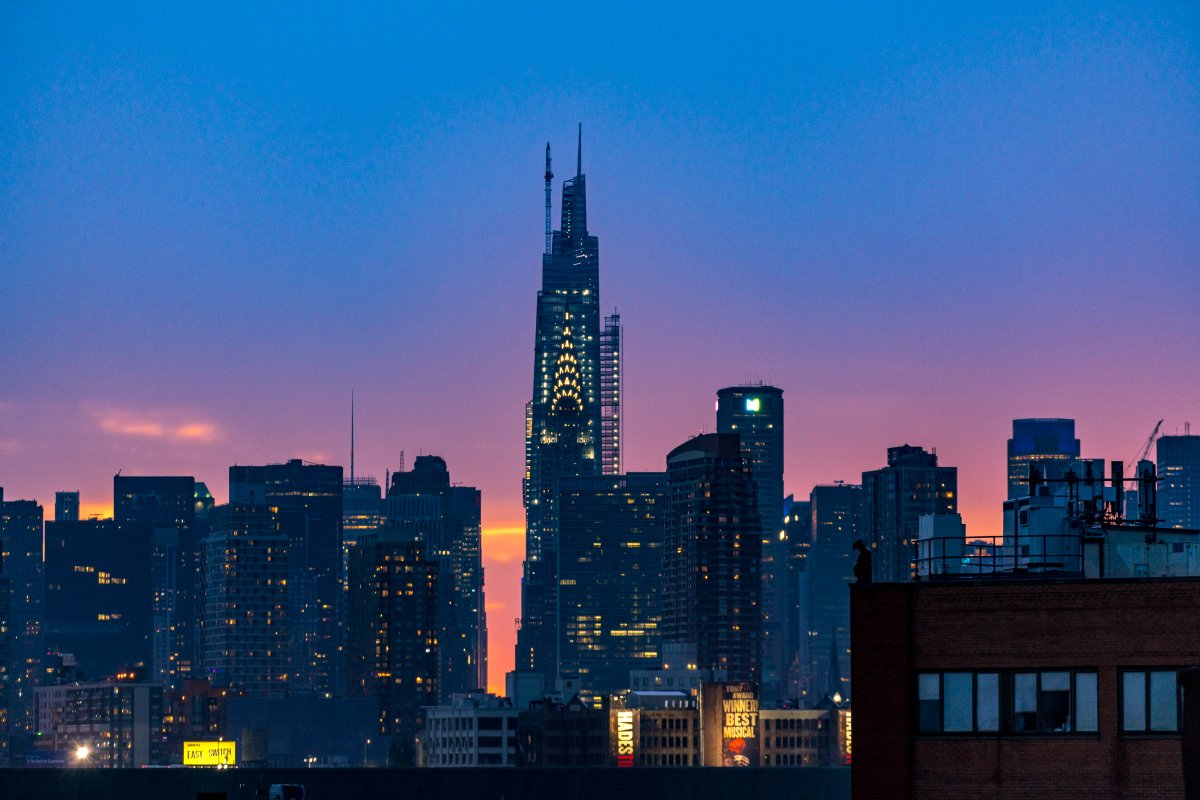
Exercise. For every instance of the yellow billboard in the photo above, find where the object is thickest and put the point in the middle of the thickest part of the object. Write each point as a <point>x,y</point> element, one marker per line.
<point>209,754</point>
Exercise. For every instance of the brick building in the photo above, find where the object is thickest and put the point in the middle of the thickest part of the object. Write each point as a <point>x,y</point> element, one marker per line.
<point>1021,686</point>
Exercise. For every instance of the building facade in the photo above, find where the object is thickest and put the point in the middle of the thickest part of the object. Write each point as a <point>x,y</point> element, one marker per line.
<point>21,528</point>
<point>393,633</point>
<point>610,575</point>
<point>1048,443</point>
<point>755,414</point>
<point>473,730</point>
<point>118,721</point>
<point>244,626</point>
<point>836,524</point>
<point>1179,490</point>
<point>576,383</point>
<point>712,588</point>
<point>895,497</point>
<point>66,506</point>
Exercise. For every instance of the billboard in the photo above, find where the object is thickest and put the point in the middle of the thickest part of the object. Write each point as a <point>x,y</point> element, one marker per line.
<point>729,724</point>
<point>209,754</point>
<point>624,731</point>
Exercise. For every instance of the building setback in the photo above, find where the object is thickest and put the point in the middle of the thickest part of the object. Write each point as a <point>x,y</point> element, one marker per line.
<point>755,413</point>
<point>712,589</point>
<point>895,497</point>
<point>610,570</point>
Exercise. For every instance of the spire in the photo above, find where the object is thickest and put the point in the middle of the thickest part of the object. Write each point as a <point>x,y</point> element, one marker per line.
<point>579,153</point>
<point>549,177</point>
<point>351,436</point>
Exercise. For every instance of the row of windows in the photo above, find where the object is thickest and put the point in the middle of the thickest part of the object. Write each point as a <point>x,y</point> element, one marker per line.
<point>1045,702</point>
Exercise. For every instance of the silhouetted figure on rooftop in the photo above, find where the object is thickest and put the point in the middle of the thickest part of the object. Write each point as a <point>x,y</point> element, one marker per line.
<point>862,565</point>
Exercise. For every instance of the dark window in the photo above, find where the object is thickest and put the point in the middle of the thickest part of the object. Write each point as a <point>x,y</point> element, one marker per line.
<point>1149,701</point>
<point>1053,702</point>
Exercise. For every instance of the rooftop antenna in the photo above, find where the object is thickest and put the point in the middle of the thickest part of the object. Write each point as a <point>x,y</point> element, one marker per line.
<point>401,461</point>
<point>351,436</point>
<point>579,153</point>
<point>549,177</point>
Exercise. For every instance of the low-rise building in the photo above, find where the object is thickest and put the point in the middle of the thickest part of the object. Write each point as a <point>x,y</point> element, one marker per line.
<point>113,723</point>
<point>474,730</point>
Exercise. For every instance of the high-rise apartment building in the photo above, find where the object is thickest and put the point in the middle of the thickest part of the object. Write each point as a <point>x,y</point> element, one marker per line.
<point>576,381</point>
<point>168,505</point>
<point>797,535</point>
<point>392,640</point>
<point>21,549</point>
<point>1048,443</point>
<point>99,601</point>
<point>712,587</point>
<point>1179,487</point>
<point>755,414</point>
<point>446,519</point>
<point>836,524</point>
<point>895,497</point>
<point>307,501</point>
<point>66,506</point>
<point>244,633</point>
<point>610,577</point>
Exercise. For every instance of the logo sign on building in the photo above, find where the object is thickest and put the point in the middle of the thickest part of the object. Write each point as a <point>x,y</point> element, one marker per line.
<point>209,754</point>
<point>729,724</point>
<point>624,733</point>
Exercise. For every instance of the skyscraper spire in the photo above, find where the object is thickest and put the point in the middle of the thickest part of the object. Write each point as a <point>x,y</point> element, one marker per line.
<point>579,153</point>
<point>549,177</point>
<point>352,436</point>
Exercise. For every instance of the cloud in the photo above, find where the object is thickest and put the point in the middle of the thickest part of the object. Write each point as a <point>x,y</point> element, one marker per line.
<point>170,426</point>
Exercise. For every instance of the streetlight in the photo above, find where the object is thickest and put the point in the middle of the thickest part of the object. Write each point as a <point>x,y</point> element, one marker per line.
<point>82,752</point>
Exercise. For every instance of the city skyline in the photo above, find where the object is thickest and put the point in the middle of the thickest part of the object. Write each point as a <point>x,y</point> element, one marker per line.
<point>810,234</point>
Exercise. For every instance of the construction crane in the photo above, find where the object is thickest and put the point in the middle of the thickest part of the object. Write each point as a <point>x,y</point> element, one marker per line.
<point>1149,443</point>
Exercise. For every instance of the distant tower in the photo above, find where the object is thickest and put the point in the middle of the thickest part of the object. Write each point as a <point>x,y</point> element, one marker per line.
<point>66,506</point>
<point>549,177</point>
<point>610,395</point>
<point>1048,443</point>
<point>1179,492</point>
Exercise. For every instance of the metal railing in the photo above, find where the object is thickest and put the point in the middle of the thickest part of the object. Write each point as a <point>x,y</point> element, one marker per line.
<point>951,557</point>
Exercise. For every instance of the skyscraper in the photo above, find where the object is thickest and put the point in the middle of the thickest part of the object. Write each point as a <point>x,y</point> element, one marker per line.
<point>894,499</point>
<point>797,536</point>
<point>66,506</point>
<point>610,577</point>
<point>446,519</point>
<point>566,435</point>
<point>755,413</point>
<point>21,544</point>
<point>1048,443</point>
<point>712,586</point>
<point>244,623</point>
<point>392,640</point>
<point>1179,490</point>
<point>836,522</point>
<point>167,504</point>
<point>307,502</point>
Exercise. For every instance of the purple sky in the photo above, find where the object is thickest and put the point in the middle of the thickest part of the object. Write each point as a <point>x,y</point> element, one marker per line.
<point>919,224</point>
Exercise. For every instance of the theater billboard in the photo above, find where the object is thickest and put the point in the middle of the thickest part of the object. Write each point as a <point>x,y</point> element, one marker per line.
<point>729,724</point>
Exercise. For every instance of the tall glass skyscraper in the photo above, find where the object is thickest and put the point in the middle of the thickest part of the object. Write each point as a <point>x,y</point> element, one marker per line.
<point>564,424</point>
<point>1179,491</point>
<point>1048,443</point>
<point>755,413</point>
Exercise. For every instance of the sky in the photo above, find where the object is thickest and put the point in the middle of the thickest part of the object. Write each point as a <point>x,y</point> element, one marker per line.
<point>216,220</point>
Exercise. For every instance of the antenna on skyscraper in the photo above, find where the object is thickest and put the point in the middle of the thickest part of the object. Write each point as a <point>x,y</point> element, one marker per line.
<point>579,153</point>
<point>549,177</point>
<point>351,436</point>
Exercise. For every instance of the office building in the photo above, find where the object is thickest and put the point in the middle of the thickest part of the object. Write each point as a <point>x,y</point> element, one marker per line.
<point>610,576</point>
<point>244,623</point>
<point>712,588</point>
<point>472,730</point>
<point>392,639</point>
<point>66,506</point>
<point>447,520</point>
<point>557,733</point>
<point>567,434</point>
<point>797,537</point>
<point>307,501</point>
<point>1049,444</point>
<point>167,504</point>
<point>99,593</point>
<point>895,497</point>
<point>836,524</point>
<point>1179,490</point>
<point>755,413</point>
<point>21,550</point>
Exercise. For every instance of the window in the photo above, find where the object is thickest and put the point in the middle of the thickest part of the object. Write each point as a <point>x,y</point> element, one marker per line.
<point>1149,701</point>
<point>1059,701</point>
<point>958,702</point>
<point>1053,702</point>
